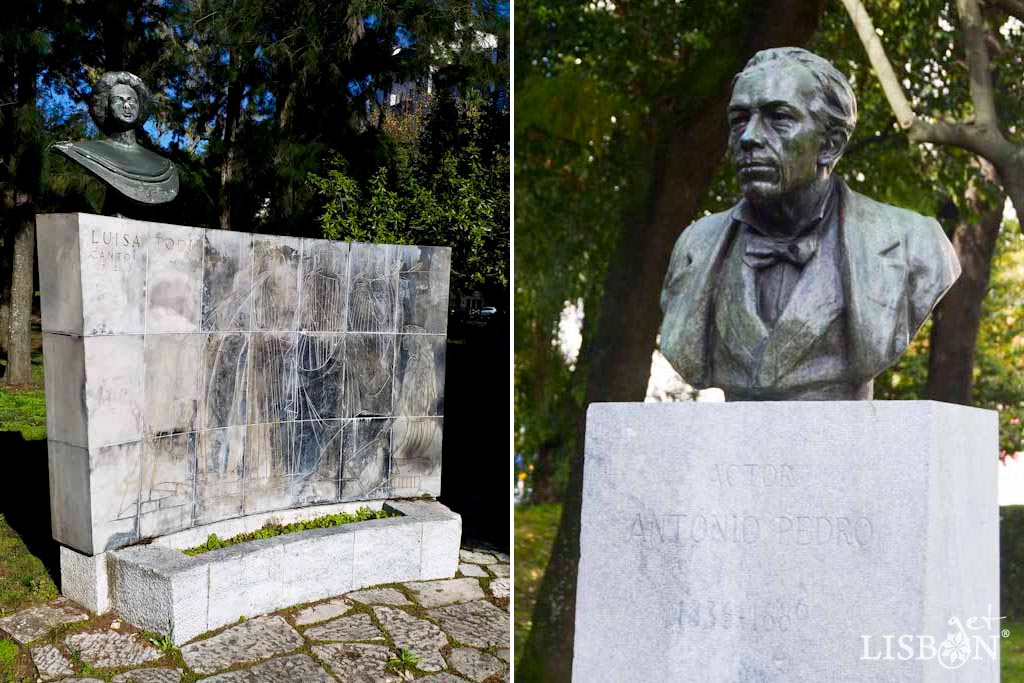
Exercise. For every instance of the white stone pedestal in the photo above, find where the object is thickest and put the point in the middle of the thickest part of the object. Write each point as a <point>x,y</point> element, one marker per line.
<point>789,541</point>
<point>158,588</point>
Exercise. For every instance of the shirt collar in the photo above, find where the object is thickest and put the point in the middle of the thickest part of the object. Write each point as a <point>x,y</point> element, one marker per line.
<point>745,213</point>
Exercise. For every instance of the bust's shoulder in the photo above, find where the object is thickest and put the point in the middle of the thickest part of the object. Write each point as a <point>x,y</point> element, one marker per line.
<point>926,249</point>
<point>706,230</point>
<point>895,218</point>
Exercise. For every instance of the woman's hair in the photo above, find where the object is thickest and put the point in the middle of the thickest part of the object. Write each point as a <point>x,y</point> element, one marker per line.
<point>99,101</point>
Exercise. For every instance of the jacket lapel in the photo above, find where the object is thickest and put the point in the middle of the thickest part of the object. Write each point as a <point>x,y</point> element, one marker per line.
<point>875,276</point>
<point>739,327</point>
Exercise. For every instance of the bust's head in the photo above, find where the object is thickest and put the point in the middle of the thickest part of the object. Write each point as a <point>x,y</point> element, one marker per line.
<point>120,102</point>
<point>790,117</point>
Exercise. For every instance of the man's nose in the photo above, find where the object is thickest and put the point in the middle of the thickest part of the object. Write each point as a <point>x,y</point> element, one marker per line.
<point>753,134</point>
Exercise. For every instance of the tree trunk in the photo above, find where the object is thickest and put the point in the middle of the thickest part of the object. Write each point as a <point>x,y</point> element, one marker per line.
<point>552,450</point>
<point>5,319</point>
<point>20,212</point>
<point>6,260</point>
<point>227,169</point>
<point>1011,176</point>
<point>957,318</point>
<point>19,356</point>
<point>685,155</point>
<point>544,471</point>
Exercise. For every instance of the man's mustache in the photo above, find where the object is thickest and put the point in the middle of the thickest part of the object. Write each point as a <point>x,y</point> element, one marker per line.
<point>756,161</point>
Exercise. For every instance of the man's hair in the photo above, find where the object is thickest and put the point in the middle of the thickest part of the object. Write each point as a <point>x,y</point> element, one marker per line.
<point>838,105</point>
<point>99,101</point>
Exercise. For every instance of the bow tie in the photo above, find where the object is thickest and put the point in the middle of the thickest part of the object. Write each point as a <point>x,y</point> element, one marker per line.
<point>763,252</point>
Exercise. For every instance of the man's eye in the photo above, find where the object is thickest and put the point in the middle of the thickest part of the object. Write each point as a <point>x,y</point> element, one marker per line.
<point>738,121</point>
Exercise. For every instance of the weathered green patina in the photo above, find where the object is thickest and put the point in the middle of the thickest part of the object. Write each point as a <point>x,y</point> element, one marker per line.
<point>805,290</point>
<point>120,105</point>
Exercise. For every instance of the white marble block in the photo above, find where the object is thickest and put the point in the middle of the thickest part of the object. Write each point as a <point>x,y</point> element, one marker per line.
<point>195,376</point>
<point>789,541</point>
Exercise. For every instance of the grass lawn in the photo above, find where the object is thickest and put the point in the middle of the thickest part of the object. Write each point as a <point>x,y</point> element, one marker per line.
<point>23,578</point>
<point>23,408</point>
<point>1013,653</point>
<point>535,527</point>
<point>23,582</point>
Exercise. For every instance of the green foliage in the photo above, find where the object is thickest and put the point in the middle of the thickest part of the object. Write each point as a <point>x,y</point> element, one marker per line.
<point>999,363</point>
<point>42,589</point>
<point>270,530</point>
<point>1012,652</point>
<point>1011,565</point>
<point>8,653</point>
<point>213,542</point>
<point>405,661</point>
<point>447,186</point>
<point>296,83</point>
<point>161,642</point>
<point>11,669</point>
<point>250,97</point>
<point>342,196</point>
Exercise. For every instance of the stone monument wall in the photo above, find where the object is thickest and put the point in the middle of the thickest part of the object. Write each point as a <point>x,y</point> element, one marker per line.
<point>198,375</point>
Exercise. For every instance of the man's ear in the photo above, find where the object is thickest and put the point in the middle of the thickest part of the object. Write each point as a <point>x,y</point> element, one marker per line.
<point>832,148</point>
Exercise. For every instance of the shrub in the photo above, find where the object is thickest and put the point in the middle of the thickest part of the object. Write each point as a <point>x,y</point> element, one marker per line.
<point>270,530</point>
<point>1011,561</point>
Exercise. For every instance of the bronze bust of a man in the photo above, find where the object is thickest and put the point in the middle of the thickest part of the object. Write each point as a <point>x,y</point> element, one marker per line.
<point>805,289</point>
<point>119,105</point>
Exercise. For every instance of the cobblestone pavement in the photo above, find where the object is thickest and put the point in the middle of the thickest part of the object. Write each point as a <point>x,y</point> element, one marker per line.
<point>446,631</point>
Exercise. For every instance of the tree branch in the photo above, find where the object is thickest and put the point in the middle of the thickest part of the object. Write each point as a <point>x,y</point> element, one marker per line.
<point>982,137</point>
<point>1012,7</point>
<point>880,62</point>
<point>204,18</point>
<point>985,142</point>
<point>974,30</point>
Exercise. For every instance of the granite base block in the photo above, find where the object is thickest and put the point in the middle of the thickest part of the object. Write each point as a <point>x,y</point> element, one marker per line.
<point>158,588</point>
<point>789,541</point>
<point>84,579</point>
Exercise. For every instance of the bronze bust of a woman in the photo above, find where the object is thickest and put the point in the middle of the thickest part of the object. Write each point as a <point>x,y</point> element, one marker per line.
<point>120,104</point>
